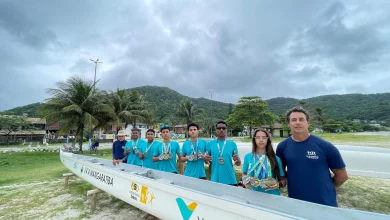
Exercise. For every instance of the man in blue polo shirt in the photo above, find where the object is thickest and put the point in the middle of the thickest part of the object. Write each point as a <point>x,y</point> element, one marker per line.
<point>135,148</point>
<point>166,154</point>
<point>151,146</point>
<point>308,159</point>
<point>192,153</point>
<point>118,149</point>
<point>221,153</point>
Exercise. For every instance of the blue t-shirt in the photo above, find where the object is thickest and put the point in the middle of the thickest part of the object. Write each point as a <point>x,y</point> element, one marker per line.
<point>132,157</point>
<point>118,149</point>
<point>194,168</point>
<point>222,173</point>
<point>249,161</point>
<point>168,165</point>
<point>147,161</point>
<point>308,163</point>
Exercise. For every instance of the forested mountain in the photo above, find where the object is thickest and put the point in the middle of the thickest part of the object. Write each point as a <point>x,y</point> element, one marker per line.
<point>339,107</point>
<point>165,101</point>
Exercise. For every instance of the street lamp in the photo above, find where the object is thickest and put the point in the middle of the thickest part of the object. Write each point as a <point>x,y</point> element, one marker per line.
<point>96,63</point>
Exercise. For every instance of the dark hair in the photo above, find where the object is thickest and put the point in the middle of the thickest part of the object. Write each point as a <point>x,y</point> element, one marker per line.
<point>192,124</point>
<point>164,126</point>
<point>135,129</point>
<point>270,152</point>
<point>220,122</point>
<point>150,130</point>
<point>297,109</point>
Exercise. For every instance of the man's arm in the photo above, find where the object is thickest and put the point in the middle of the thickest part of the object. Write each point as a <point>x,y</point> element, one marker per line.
<point>280,153</point>
<point>340,176</point>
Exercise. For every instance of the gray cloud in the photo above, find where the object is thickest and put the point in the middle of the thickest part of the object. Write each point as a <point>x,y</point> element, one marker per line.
<point>267,48</point>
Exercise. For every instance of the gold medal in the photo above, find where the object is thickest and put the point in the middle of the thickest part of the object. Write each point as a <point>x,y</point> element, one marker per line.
<point>255,182</point>
<point>166,156</point>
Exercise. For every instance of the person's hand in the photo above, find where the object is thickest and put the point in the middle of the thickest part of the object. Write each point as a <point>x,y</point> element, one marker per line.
<point>235,157</point>
<point>200,155</point>
<point>141,156</point>
<point>206,157</point>
<point>114,162</point>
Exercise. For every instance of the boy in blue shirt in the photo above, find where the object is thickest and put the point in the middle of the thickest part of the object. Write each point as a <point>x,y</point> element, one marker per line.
<point>165,154</point>
<point>221,152</point>
<point>151,146</point>
<point>192,153</point>
<point>308,159</point>
<point>135,148</point>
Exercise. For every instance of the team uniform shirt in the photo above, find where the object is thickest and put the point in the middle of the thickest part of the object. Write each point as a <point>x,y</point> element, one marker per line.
<point>194,168</point>
<point>308,163</point>
<point>132,157</point>
<point>172,148</point>
<point>259,172</point>
<point>147,161</point>
<point>222,173</point>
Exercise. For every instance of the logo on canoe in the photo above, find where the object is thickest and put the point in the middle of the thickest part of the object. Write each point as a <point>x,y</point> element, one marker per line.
<point>141,193</point>
<point>186,210</point>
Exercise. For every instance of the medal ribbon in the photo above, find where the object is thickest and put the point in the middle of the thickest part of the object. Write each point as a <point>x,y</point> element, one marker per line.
<point>194,152</point>
<point>166,148</point>
<point>147,149</point>
<point>135,145</point>
<point>219,148</point>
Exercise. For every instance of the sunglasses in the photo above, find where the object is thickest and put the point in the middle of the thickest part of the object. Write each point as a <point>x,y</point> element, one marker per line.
<point>221,128</point>
<point>164,126</point>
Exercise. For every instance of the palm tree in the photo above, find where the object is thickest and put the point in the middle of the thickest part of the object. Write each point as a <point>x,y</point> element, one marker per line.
<point>187,111</point>
<point>78,105</point>
<point>128,107</point>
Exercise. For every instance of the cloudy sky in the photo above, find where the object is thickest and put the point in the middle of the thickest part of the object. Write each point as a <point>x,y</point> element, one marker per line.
<point>300,48</point>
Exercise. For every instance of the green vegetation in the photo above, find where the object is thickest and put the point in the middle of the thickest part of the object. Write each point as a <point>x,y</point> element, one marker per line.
<point>251,111</point>
<point>340,107</point>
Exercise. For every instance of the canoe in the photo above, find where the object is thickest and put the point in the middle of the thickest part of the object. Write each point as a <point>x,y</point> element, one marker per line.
<point>172,196</point>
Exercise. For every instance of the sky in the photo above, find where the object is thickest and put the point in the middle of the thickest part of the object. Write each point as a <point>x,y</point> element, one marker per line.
<point>298,49</point>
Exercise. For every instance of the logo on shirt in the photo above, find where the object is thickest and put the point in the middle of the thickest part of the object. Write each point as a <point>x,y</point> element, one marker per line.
<point>312,155</point>
<point>186,210</point>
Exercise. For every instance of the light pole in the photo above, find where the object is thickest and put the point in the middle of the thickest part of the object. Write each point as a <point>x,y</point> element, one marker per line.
<point>96,63</point>
<point>211,114</point>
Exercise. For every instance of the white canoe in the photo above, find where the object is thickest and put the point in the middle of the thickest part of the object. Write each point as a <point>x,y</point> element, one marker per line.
<point>172,196</point>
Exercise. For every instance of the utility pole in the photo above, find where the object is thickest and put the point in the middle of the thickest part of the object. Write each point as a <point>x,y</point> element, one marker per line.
<point>211,114</point>
<point>94,84</point>
<point>96,63</point>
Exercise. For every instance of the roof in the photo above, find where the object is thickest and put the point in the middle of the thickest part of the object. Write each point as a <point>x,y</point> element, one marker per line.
<point>36,120</point>
<point>276,125</point>
<point>24,132</point>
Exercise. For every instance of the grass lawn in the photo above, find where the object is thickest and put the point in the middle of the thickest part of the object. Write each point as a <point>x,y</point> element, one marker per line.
<point>31,187</point>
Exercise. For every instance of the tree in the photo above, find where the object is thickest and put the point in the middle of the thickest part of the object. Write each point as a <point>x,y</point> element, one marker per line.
<point>251,111</point>
<point>187,111</point>
<point>11,123</point>
<point>128,107</point>
<point>319,119</point>
<point>78,106</point>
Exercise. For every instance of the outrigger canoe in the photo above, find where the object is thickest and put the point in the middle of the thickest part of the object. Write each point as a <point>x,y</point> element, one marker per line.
<point>173,196</point>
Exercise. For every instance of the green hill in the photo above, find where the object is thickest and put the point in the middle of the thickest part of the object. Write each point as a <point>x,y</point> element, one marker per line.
<point>338,107</point>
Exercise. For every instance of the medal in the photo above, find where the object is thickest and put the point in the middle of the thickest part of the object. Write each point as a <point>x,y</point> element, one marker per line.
<point>136,151</point>
<point>165,156</point>
<point>246,179</point>
<point>191,158</point>
<point>145,154</point>
<point>255,182</point>
<point>169,156</point>
<point>220,159</point>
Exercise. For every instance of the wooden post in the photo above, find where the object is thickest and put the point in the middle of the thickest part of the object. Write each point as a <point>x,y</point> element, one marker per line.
<point>66,178</point>
<point>92,194</point>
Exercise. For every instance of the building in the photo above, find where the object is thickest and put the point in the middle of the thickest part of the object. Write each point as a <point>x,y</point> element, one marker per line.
<point>276,130</point>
